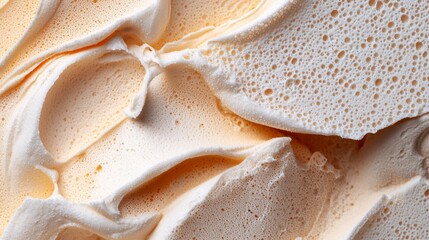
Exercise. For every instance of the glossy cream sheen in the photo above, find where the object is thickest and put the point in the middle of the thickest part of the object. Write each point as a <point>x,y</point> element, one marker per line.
<point>180,119</point>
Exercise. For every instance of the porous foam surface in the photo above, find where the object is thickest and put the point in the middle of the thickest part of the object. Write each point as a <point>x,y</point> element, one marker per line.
<point>258,199</point>
<point>396,220</point>
<point>106,83</point>
<point>16,18</point>
<point>136,120</point>
<point>182,113</point>
<point>344,68</point>
<point>390,165</point>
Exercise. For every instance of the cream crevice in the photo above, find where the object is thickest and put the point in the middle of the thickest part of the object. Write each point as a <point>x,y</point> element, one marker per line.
<point>97,118</point>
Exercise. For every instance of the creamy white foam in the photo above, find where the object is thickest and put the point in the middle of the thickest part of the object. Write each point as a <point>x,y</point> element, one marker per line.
<point>313,67</point>
<point>135,120</point>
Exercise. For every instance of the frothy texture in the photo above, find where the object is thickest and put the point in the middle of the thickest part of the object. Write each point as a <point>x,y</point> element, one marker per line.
<point>328,67</point>
<point>181,119</point>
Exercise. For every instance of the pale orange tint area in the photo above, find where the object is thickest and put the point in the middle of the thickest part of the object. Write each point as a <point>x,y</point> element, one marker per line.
<point>71,21</point>
<point>16,17</point>
<point>162,190</point>
<point>188,16</point>
<point>10,199</point>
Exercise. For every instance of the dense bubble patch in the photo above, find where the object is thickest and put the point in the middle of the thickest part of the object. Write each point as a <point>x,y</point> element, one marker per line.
<point>333,67</point>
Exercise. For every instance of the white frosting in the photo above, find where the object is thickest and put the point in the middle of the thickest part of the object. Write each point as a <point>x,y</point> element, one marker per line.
<point>127,120</point>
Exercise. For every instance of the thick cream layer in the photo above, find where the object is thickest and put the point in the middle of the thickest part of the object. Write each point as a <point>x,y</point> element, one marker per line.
<point>118,120</point>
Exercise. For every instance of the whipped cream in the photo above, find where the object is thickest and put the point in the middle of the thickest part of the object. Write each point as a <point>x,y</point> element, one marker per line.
<point>157,119</point>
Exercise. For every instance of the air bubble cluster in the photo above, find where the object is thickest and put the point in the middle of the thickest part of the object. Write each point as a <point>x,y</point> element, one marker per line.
<point>67,123</point>
<point>16,16</point>
<point>179,109</point>
<point>404,217</point>
<point>335,67</point>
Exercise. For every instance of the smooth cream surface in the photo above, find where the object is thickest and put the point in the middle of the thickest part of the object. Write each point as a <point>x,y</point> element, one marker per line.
<point>220,119</point>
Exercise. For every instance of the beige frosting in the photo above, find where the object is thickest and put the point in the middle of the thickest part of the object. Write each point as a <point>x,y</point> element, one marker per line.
<point>220,119</point>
